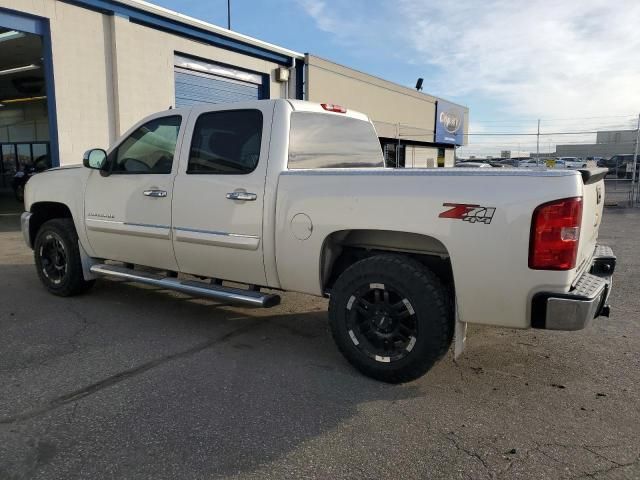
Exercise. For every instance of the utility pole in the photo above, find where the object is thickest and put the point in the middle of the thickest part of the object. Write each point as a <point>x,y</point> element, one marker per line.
<point>398,146</point>
<point>228,14</point>
<point>634,193</point>
<point>538,145</point>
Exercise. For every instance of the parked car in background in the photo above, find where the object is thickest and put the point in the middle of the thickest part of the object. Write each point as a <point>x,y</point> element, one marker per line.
<point>473,165</point>
<point>529,163</point>
<point>573,162</point>
<point>621,165</point>
<point>509,162</point>
<point>21,177</point>
<point>559,164</point>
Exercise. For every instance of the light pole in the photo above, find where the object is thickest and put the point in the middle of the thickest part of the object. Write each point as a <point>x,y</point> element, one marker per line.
<point>229,14</point>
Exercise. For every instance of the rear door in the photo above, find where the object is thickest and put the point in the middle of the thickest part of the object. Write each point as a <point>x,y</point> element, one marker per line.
<point>128,212</point>
<point>219,193</point>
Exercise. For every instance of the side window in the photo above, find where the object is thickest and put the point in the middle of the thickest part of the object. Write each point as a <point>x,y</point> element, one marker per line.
<point>149,149</point>
<point>226,142</point>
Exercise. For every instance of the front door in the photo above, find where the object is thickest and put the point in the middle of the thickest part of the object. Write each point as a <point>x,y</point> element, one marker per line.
<point>128,211</point>
<point>218,196</point>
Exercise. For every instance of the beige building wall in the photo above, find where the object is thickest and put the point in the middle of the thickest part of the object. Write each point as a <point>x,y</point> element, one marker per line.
<point>109,73</point>
<point>420,157</point>
<point>386,103</point>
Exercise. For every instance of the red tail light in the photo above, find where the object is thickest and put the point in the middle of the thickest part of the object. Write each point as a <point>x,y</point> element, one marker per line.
<point>555,231</point>
<point>330,107</point>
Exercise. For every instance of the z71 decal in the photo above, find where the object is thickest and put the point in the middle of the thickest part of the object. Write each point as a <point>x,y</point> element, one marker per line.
<point>468,213</point>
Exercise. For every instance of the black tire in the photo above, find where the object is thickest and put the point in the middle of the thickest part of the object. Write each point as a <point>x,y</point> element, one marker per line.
<point>57,258</point>
<point>19,193</point>
<point>410,355</point>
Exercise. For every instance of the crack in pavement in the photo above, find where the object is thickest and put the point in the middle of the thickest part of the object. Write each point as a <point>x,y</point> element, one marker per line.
<point>124,375</point>
<point>607,470</point>
<point>453,439</point>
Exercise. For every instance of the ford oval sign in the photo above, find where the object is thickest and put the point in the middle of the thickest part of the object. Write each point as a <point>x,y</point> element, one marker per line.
<point>449,123</point>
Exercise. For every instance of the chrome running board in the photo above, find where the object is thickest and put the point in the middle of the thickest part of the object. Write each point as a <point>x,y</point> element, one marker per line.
<point>193,287</point>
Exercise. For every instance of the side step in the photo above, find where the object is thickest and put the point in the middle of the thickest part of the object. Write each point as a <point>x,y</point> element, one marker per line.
<point>193,287</point>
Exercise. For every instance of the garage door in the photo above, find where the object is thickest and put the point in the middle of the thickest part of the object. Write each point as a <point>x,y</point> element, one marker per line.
<point>199,82</point>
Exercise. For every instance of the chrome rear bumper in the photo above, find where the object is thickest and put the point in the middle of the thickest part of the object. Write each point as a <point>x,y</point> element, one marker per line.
<point>587,300</point>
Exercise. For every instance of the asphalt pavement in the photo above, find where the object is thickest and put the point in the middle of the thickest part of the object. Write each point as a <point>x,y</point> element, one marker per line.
<point>136,382</point>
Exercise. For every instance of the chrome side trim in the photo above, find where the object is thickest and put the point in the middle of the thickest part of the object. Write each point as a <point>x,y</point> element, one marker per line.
<point>221,239</point>
<point>227,294</point>
<point>133,229</point>
<point>25,220</point>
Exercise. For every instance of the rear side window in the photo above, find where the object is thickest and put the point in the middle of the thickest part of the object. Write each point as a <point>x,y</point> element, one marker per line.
<point>226,143</point>
<point>319,140</point>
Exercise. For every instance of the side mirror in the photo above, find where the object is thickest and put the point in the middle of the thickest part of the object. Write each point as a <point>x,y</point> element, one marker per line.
<point>95,158</point>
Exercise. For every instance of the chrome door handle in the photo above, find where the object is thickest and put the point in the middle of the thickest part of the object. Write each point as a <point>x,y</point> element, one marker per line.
<point>246,196</point>
<point>155,193</point>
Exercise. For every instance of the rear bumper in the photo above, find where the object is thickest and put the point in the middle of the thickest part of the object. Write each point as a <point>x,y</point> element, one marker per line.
<point>25,220</point>
<point>575,309</point>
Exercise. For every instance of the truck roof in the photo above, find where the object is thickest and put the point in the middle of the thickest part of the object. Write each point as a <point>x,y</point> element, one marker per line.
<point>297,105</point>
<point>305,106</point>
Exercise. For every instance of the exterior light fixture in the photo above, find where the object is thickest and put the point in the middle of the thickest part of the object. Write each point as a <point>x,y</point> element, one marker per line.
<point>10,35</point>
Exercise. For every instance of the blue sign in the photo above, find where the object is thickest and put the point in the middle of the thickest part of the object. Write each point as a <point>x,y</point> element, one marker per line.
<point>449,123</point>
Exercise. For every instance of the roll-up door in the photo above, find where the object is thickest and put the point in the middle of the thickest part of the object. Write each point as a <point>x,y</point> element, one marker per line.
<point>199,82</point>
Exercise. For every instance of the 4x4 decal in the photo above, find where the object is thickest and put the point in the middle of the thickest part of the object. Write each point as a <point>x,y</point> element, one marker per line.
<point>468,212</point>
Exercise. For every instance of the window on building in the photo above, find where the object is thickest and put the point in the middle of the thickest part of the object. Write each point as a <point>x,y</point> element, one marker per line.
<point>226,142</point>
<point>150,148</point>
<point>394,155</point>
<point>319,140</point>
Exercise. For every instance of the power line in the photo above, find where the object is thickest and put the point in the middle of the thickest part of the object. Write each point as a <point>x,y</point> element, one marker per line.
<point>535,134</point>
<point>533,120</point>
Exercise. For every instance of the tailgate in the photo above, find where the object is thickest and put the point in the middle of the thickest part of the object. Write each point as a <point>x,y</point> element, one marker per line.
<point>592,206</point>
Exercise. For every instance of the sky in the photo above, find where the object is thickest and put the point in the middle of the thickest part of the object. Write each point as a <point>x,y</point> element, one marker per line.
<point>573,64</point>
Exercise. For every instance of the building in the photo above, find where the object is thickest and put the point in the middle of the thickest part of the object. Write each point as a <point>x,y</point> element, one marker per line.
<point>514,154</point>
<point>608,143</point>
<point>416,129</point>
<point>76,74</point>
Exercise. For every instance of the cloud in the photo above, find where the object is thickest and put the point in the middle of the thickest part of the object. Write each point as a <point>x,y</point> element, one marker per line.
<point>535,57</point>
<point>525,58</point>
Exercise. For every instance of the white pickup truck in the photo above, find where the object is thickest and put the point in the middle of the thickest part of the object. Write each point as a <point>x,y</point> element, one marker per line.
<point>294,196</point>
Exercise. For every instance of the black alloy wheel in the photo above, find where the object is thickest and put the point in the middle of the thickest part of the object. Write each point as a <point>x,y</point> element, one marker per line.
<point>381,322</point>
<point>391,317</point>
<point>53,258</point>
<point>57,256</point>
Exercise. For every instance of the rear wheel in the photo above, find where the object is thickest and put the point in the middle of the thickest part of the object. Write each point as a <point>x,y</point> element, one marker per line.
<point>57,258</point>
<point>390,317</point>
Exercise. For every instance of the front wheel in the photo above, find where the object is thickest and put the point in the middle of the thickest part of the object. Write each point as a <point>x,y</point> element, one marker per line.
<point>391,317</point>
<point>57,258</point>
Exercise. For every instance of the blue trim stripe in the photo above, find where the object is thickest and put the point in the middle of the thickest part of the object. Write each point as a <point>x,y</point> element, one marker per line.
<point>175,27</point>
<point>39,26</point>
<point>52,112</point>
<point>22,22</point>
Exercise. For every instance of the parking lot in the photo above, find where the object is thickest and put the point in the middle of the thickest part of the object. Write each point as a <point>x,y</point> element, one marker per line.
<point>135,382</point>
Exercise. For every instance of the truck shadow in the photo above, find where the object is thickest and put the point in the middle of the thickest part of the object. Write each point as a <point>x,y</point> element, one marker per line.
<point>146,373</point>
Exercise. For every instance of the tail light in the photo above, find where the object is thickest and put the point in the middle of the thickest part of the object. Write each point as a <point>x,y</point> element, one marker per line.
<point>555,231</point>
<point>330,107</point>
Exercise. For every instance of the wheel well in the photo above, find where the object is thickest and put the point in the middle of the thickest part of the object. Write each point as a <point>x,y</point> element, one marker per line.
<point>344,248</point>
<point>43,212</point>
